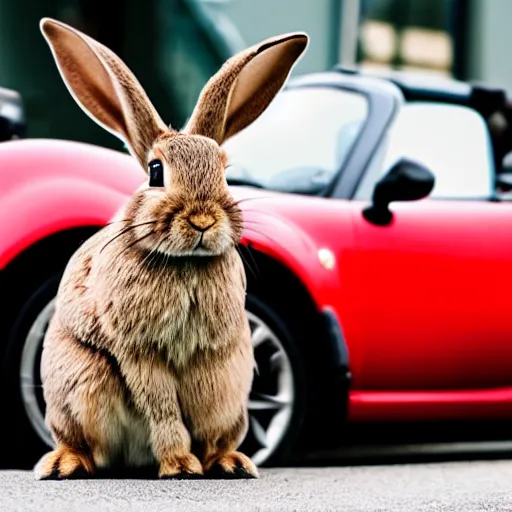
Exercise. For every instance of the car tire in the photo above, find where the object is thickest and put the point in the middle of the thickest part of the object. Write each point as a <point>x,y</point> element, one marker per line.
<point>24,445</point>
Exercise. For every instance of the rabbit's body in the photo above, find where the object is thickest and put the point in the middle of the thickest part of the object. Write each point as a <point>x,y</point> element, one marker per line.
<point>183,317</point>
<point>148,357</point>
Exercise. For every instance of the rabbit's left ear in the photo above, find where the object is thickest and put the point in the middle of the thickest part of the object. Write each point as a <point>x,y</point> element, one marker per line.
<point>104,87</point>
<point>244,87</point>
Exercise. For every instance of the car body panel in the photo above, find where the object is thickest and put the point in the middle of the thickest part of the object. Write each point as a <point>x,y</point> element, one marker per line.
<point>418,406</point>
<point>298,231</point>
<point>48,186</point>
<point>438,308</point>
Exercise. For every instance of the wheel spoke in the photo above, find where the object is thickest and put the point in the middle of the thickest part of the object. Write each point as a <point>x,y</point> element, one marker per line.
<point>263,402</point>
<point>276,360</point>
<point>259,335</point>
<point>258,432</point>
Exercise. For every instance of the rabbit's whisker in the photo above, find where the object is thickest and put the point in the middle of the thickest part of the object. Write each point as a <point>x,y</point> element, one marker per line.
<point>246,262</point>
<point>136,241</point>
<point>262,212</point>
<point>249,229</point>
<point>155,254</point>
<point>116,221</point>
<point>151,253</point>
<point>253,221</point>
<point>125,230</point>
<point>163,268</point>
<point>245,199</point>
<point>253,259</point>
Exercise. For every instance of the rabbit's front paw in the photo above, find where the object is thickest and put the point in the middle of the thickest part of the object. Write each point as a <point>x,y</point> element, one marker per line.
<point>64,463</point>
<point>180,467</point>
<point>231,465</point>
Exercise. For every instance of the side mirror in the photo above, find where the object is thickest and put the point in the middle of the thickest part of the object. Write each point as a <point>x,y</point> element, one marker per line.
<point>504,181</point>
<point>406,181</point>
<point>12,118</point>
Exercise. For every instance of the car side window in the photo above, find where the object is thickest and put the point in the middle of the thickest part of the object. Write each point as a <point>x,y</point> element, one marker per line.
<point>452,141</point>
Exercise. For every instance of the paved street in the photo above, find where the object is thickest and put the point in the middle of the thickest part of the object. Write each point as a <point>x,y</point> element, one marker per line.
<point>461,486</point>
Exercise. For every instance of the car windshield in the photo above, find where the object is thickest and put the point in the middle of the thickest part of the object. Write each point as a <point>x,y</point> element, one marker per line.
<point>452,141</point>
<point>300,142</point>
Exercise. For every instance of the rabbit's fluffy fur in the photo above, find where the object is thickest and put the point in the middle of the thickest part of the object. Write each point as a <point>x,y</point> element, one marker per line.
<point>148,358</point>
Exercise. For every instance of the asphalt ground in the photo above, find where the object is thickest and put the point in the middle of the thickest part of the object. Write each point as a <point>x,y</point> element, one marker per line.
<point>448,486</point>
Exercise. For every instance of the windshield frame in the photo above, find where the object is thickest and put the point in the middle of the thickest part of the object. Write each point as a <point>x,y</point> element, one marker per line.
<point>384,99</point>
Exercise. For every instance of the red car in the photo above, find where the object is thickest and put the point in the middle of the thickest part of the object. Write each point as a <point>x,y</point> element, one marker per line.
<point>378,247</point>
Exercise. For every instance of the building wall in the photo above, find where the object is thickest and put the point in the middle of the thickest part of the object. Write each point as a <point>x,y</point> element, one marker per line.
<point>490,42</point>
<point>26,63</point>
<point>259,19</point>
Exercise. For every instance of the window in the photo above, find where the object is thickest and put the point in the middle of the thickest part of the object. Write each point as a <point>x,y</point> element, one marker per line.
<point>451,141</point>
<point>300,142</point>
<point>427,35</point>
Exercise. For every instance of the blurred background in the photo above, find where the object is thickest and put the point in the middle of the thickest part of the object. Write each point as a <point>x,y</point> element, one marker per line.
<point>174,46</point>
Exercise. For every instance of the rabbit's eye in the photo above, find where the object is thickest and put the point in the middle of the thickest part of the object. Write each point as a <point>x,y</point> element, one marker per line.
<point>156,173</point>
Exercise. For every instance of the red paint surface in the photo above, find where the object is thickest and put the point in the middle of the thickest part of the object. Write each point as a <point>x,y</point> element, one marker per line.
<point>441,405</point>
<point>424,303</point>
<point>48,186</point>
<point>436,297</point>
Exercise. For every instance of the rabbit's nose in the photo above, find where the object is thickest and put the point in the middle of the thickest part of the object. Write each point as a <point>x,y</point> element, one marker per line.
<point>201,222</point>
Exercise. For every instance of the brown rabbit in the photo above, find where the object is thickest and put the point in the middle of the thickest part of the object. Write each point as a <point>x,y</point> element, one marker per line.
<point>148,358</point>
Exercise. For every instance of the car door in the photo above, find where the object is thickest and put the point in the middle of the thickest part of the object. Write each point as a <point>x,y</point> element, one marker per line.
<point>437,279</point>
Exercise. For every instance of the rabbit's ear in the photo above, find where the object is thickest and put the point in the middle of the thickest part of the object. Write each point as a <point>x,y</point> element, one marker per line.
<point>104,87</point>
<point>244,87</point>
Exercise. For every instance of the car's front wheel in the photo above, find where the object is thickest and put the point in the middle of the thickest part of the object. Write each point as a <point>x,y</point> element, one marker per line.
<point>276,404</point>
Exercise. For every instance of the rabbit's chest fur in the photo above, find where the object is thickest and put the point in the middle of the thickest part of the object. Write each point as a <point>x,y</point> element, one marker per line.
<point>174,310</point>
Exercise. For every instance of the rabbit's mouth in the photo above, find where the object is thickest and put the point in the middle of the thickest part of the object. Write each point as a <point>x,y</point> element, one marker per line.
<point>200,249</point>
<point>207,243</point>
<point>181,239</point>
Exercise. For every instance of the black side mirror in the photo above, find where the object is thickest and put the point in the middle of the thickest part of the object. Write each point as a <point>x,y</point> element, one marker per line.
<point>406,181</point>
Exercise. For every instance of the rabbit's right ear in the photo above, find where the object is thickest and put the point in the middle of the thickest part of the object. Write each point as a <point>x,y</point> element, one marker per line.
<point>244,87</point>
<point>104,87</point>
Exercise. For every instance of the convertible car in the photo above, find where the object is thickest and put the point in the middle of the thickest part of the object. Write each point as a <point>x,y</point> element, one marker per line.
<point>378,250</point>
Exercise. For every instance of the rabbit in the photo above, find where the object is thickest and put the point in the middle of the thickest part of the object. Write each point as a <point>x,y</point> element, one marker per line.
<point>147,360</point>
